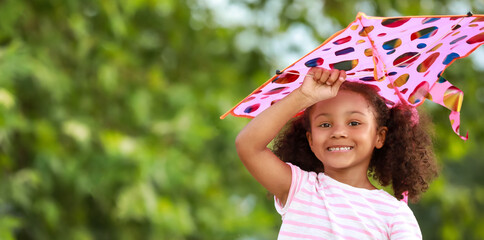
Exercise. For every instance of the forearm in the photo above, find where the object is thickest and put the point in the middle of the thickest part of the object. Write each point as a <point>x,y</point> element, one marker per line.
<point>251,143</point>
<point>262,129</point>
<point>319,84</point>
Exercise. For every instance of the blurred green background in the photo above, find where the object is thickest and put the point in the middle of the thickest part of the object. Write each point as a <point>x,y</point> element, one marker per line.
<point>109,116</point>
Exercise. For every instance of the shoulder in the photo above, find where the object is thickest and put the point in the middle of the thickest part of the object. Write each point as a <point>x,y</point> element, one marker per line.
<point>300,175</point>
<point>404,225</point>
<point>401,210</point>
<point>400,218</point>
<point>299,179</point>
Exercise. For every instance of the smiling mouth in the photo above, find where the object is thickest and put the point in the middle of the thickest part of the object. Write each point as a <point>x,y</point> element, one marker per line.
<point>339,149</point>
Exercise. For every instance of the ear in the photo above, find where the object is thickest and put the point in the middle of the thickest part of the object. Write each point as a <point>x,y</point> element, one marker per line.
<point>380,138</point>
<point>310,138</point>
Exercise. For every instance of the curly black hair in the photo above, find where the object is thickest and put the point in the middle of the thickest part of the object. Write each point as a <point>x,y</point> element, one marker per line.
<point>406,161</point>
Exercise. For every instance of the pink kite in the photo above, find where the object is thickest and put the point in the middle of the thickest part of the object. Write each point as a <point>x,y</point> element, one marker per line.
<point>403,56</point>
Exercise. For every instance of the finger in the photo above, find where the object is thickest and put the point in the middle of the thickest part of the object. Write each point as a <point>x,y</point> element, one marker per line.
<point>310,73</point>
<point>318,72</point>
<point>342,75</point>
<point>324,75</point>
<point>333,77</point>
<point>309,76</point>
<point>341,80</point>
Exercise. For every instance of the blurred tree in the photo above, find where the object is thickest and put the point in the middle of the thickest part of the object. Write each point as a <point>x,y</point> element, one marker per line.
<point>109,113</point>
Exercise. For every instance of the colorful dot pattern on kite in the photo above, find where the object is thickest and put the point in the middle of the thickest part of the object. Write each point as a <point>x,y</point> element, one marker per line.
<point>392,44</point>
<point>314,62</point>
<point>424,33</point>
<point>407,55</point>
<point>287,77</point>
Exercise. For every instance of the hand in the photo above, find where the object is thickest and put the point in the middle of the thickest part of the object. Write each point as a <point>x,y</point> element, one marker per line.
<point>321,84</point>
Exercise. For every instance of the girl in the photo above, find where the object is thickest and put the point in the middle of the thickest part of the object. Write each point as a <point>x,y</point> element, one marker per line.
<point>346,134</point>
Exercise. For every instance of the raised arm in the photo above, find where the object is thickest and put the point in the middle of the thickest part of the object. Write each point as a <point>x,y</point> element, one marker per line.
<point>251,143</point>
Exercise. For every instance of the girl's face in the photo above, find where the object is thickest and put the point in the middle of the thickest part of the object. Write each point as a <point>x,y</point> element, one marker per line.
<point>344,132</point>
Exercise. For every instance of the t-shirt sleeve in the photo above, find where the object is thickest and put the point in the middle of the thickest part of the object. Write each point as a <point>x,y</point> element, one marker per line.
<point>298,176</point>
<point>404,224</point>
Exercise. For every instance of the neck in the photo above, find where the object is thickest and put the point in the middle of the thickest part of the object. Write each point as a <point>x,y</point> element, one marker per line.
<point>358,179</point>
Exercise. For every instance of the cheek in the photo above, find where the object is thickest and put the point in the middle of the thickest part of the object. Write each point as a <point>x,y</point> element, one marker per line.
<point>318,137</point>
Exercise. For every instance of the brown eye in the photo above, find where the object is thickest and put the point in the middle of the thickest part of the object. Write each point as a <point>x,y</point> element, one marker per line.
<point>325,125</point>
<point>354,123</point>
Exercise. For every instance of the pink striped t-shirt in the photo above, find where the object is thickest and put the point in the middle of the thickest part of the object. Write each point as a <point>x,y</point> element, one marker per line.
<point>319,207</point>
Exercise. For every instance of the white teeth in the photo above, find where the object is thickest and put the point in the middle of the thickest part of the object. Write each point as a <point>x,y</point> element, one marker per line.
<point>339,148</point>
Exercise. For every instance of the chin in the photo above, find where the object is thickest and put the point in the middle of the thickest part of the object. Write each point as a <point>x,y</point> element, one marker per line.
<point>339,165</point>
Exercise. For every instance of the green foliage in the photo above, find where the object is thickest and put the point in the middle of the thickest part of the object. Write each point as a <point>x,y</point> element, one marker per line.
<point>110,129</point>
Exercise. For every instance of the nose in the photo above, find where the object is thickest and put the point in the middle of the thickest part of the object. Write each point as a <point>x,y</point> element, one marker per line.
<point>339,131</point>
